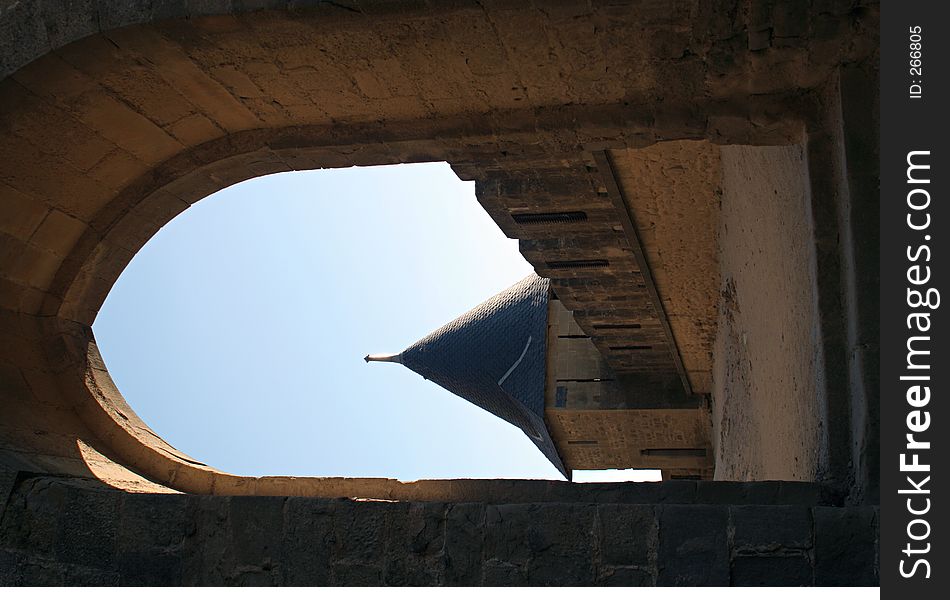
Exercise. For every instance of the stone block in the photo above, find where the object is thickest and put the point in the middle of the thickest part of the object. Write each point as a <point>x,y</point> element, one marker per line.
<point>628,534</point>
<point>151,537</point>
<point>803,493</point>
<point>772,571</point>
<point>553,542</point>
<point>361,530</point>
<point>159,520</point>
<point>8,568</point>
<point>126,128</point>
<point>845,546</point>
<point>425,527</point>
<point>736,492</point>
<point>41,573</point>
<point>771,527</point>
<point>790,19</point>
<point>30,517</point>
<point>760,40</point>
<point>75,575</point>
<point>205,556</point>
<point>20,214</point>
<point>194,129</point>
<point>626,577</point>
<point>148,567</point>
<point>306,544</point>
<point>675,492</point>
<point>464,537</point>
<point>256,529</point>
<point>693,548</point>
<point>415,555</point>
<point>88,527</point>
<point>499,573</point>
<point>58,233</point>
<point>346,573</point>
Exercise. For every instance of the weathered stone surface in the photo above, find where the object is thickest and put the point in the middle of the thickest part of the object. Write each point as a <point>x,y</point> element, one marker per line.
<point>464,535</point>
<point>151,537</point>
<point>188,97</point>
<point>547,543</point>
<point>207,550</point>
<point>39,572</point>
<point>308,533</point>
<point>845,546</point>
<point>8,568</point>
<point>162,539</point>
<point>772,571</point>
<point>629,535</point>
<point>768,377</point>
<point>420,542</point>
<point>8,478</point>
<point>31,518</point>
<point>693,546</point>
<point>627,577</point>
<point>771,527</point>
<point>255,522</point>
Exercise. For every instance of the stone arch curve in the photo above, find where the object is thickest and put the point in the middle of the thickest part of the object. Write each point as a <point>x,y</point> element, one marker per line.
<point>114,120</point>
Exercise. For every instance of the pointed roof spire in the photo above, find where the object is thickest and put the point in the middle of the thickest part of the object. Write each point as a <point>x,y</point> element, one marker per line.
<point>396,358</point>
<point>494,356</point>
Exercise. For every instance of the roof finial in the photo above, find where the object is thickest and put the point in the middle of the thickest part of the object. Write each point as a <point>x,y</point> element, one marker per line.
<point>396,358</point>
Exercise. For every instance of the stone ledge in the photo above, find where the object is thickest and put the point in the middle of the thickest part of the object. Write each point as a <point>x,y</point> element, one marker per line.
<point>57,531</point>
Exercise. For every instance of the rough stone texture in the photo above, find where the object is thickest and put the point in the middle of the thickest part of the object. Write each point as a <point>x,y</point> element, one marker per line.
<point>599,419</point>
<point>768,396</point>
<point>629,535</point>
<point>846,546</point>
<point>770,528</point>
<point>785,571</point>
<point>673,193</point>
<point>116,116</point>
<point>694,546</point>
<point>140,112</point>
<point>61,531</point>
<point>860,110</point>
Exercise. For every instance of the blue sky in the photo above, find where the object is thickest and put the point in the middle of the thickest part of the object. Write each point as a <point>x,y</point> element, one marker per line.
<point>238,332</point>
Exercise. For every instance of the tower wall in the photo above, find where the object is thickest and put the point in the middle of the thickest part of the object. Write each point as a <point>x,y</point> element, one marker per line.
<point>601,420</point>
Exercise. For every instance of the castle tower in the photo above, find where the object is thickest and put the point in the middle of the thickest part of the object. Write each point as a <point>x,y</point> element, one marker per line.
<point>494,356</point>
<point>521,356</point>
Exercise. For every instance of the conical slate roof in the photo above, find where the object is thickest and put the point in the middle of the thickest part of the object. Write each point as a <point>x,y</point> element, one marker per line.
<point>494,357</point>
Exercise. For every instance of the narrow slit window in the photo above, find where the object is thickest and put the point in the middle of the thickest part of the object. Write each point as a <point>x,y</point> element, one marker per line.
<point>578,264</point>
<point>634,347</point>
<point>550,217</point>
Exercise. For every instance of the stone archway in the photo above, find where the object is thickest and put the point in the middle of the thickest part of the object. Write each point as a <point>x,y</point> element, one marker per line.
<point>114,120</point>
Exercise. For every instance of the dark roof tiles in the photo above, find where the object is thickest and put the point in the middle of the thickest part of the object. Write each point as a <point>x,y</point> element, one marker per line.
<point>494,356</point>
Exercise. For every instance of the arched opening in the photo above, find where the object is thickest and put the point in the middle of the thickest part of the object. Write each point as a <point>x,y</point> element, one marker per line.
<point>158,115</point>
<point>238,331</point>
<point>117,115</point>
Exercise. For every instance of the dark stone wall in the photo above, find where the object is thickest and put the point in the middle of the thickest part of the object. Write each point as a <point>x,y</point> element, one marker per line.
<point>61,531</point>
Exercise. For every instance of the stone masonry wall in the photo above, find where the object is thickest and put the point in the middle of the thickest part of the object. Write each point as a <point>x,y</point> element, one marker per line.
<point>115,116</point>
<point>136,123</point>
<point>57,531</point>
<point>768,398</point>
